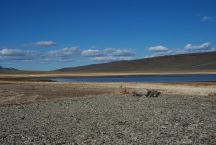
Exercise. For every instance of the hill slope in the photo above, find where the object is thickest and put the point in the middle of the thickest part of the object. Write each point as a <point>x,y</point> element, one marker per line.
<point>7,69</point>
<point>182,62</point>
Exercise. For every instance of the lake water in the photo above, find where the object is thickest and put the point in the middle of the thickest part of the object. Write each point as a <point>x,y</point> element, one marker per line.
<point>146,78</point>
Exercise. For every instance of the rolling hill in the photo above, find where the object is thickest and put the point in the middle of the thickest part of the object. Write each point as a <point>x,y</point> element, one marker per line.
<point>181,62</point>
<point>7,69</point>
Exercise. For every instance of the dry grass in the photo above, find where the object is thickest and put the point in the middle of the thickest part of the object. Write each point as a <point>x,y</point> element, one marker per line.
<point>195,84</point>
<point>124,89</point>
<point>12,92</point>
<point>24,75</point>
<point>26,92</point>
<point>212,95</point>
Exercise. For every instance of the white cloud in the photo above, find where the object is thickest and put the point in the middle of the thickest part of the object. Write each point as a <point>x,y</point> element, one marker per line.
<point>169,52</point>
<point>109,54</point>
<point>158,48</point>
<point>189,48</point>
<point>103,58</point>
<point>17,54</point>
<point>204,46</point>
<point>110,58</point>
<point>105,55</point>
<point>118,52</point>
<point>12,52</point>
<point>44,43</point>
<point>91,52</point>
<point>112,54</point>
<point>207,18</point>
<point>65,53</point>
<point>110,50</point>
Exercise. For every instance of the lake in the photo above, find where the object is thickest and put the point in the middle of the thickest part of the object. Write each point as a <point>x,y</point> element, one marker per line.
<point>143,78</point>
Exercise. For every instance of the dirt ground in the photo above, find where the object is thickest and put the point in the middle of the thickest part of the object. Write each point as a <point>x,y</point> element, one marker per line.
<point>27,92</point>
<point>19,92</point>
<point>111,119</point>
<point>54,113</point>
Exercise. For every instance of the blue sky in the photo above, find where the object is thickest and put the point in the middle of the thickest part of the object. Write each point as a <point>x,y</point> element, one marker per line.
<point>51,34</point>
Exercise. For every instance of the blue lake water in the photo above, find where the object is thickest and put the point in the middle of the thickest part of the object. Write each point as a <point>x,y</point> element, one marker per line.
<point>146,78</point>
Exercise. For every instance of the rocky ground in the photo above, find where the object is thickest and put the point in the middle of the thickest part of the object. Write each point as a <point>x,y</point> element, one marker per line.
<point>111,119</point>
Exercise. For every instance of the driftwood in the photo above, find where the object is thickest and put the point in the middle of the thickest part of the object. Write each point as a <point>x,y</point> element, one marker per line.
<point>149,93</point>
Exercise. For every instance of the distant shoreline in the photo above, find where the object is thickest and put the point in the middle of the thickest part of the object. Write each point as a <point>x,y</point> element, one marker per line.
<point>29,75</point>
<point>48,77</point>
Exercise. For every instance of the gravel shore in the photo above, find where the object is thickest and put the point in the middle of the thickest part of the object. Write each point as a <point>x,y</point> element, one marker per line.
<point>111,119</point>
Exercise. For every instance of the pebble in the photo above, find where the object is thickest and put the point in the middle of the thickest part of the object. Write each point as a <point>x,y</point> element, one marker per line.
<point>100,120</point>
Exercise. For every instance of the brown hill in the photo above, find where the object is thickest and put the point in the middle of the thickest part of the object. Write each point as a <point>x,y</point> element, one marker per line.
<point>181,62</point>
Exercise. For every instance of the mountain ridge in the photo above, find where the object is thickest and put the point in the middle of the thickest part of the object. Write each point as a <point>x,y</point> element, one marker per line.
<point>180,62</point>
<point>7,69</point>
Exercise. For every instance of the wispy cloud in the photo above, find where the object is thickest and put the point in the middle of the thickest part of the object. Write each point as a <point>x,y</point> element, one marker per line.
<point>109,54</point>
<point>207,18</point>
<point>12,52</point>
<point>158,48</point>
<point>119,52</point>
<point>17,54</point>
<point>110,58</point>
<point>67,53</point>
<point>204,46</point>
<point>64,53</point>
<point>103,58</point>
<point>189,48</point>
<point>44,43</point>
<point>92,52</point>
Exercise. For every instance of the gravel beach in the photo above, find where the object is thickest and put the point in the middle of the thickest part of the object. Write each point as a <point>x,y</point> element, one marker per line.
<point>111,119</point>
